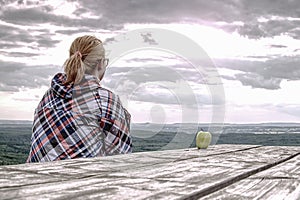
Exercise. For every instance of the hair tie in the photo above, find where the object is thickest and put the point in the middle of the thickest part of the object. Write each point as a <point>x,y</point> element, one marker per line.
<point>78,53</point>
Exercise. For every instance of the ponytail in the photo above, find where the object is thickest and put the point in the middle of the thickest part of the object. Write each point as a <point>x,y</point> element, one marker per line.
<point>74,68</point>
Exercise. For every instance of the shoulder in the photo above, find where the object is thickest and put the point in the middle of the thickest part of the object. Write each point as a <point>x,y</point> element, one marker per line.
<point>106,93</point>
<point>111,104</point>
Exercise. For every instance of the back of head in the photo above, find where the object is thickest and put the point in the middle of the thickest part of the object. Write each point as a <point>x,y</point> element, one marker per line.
<point>85,52</point>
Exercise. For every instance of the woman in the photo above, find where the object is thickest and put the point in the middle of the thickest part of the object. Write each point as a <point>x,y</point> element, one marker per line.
<point>77,117</point>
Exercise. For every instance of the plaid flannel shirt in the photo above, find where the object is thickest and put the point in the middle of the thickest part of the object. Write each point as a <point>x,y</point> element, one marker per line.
<point>83,120</point>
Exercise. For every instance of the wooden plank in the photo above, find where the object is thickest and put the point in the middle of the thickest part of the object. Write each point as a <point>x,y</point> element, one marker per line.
<point>79,168</point>
<point>155,175</point>
<point>279,182</point>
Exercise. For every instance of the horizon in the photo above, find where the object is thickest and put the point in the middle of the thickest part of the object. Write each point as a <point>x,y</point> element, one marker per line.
<point>208,62</point>
<point>194,123</point>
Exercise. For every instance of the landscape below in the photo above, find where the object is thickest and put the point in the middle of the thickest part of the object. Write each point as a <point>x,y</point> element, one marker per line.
<point>15,137</point>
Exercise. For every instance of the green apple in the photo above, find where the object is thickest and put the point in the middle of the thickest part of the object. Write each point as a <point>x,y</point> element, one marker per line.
<point>203,139</point>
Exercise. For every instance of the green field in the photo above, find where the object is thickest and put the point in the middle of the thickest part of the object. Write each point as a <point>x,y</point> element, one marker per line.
<point>15,138</point>
<point>14,143</point>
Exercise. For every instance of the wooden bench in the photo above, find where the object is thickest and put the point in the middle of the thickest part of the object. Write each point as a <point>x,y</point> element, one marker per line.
<point>219,172</point>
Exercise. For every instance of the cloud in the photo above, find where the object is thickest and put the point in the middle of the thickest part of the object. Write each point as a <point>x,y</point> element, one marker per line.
<point>291,109</point>
<point>263,74</point>
<point>163,85</point>
<point>258,18</point>
<point>38,25</point>
<point>164,92</point>
<point>14,76</point>
<point>18,54</point>
<point>14,37</point>
<point>109,40</point>
<point>255,29</point>
<point>172,11</point>
<point>278,46</point>
<point>22,20</point>
<point>153,73</point>
<point>141,60</point>
<point>258,81</point>
<point>268,18</point>
<point>147,37</point>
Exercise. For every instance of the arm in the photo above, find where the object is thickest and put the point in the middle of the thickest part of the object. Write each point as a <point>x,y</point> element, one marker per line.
<point>115,122</point>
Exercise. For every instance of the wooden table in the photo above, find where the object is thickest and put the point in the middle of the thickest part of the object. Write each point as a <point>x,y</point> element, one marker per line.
<point>219,172</point>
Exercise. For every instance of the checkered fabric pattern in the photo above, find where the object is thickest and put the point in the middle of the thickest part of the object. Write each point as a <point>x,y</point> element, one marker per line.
<point>83,120</point>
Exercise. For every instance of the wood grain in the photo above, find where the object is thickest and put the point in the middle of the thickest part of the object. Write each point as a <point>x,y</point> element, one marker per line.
<point>279,182</point>
<point>221,171</point>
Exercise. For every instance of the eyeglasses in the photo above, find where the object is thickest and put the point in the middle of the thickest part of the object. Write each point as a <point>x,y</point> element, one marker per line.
<point>104,61</point>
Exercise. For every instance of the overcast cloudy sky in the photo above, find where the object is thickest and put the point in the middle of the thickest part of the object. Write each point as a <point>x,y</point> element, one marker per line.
<point>254,47</point>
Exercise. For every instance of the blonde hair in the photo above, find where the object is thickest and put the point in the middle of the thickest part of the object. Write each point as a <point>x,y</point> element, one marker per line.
<point>85,52</point>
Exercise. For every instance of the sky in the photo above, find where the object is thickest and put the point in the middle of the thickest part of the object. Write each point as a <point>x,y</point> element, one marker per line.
<point>171,61</point>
